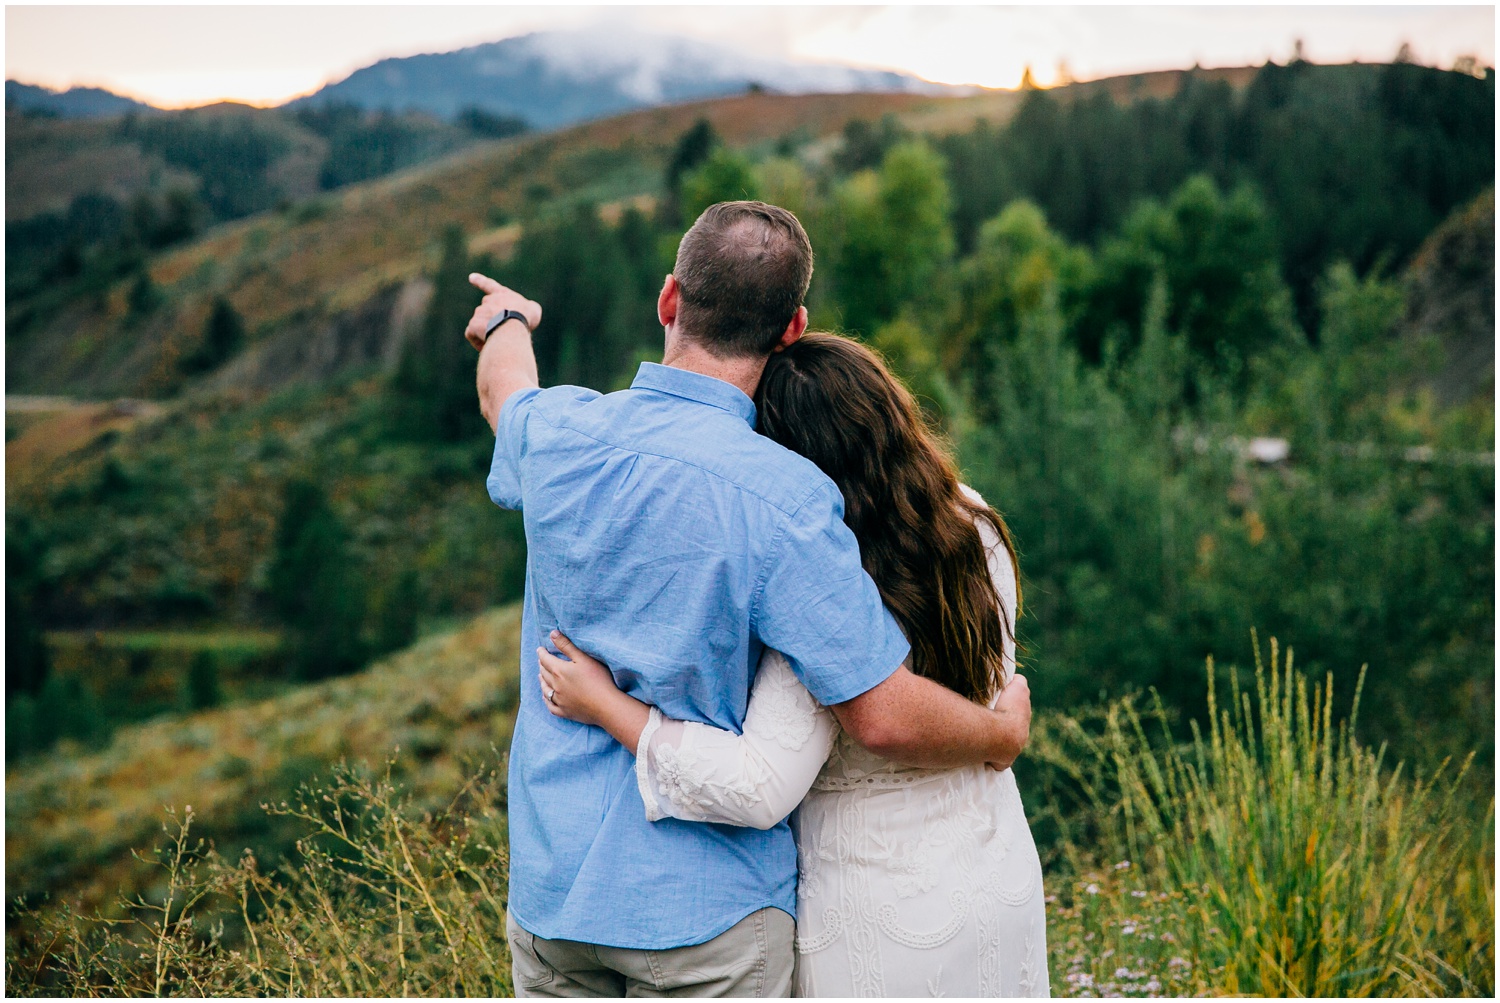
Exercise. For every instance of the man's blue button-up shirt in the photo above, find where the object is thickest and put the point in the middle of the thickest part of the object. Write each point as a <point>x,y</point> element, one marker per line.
<point>672,542</point>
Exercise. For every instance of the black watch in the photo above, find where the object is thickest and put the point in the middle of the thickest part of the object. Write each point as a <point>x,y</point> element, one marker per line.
<point>501,318</point>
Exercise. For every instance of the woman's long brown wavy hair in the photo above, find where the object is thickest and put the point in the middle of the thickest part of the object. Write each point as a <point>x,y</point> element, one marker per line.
<point>834,401</point>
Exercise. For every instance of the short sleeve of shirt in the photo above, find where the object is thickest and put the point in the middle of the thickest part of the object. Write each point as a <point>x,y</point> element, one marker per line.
<point>819,608</point>
<point>504,482</point>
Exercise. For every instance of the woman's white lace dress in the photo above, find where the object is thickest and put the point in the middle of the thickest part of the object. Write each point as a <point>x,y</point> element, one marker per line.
<point>911,882</point>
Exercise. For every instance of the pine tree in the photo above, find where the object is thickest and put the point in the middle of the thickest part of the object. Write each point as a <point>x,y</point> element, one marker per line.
<point>26,662</point>
<point>142,299</point>
<point>315,587</point>
<point>435,379</point>
<point>693,148</point>
<point>399,610</point>
<point>201,689</point>
<point>223,334</point>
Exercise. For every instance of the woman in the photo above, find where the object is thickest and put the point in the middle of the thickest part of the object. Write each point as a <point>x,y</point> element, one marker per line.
<point>912,882</point>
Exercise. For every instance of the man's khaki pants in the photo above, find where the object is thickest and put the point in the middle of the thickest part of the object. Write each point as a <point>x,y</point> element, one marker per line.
<point>751,958</point>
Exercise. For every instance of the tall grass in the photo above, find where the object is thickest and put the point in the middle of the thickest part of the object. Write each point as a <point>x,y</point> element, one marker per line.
<point>1279,855</point>
<point>379,900</point>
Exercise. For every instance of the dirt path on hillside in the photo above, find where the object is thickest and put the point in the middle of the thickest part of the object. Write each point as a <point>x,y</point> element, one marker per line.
<point>48,428</point>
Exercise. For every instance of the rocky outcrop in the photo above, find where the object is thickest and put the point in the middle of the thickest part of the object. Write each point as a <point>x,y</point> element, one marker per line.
<point>1451,297</point>
<point>370,333</point>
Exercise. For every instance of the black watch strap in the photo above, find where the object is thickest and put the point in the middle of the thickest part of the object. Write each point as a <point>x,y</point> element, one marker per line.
<point>502,317</point>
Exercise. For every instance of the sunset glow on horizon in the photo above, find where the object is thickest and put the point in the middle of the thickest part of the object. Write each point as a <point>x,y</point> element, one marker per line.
<point>177,57</point>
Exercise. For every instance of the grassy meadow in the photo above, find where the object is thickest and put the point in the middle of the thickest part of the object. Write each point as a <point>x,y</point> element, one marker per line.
<point>1219,345</point>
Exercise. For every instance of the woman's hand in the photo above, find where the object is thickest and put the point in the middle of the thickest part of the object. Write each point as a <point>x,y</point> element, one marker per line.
<point>1014,710</point>
<point>580,688</point>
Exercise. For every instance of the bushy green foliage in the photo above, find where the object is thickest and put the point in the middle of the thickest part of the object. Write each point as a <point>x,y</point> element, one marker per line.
<point>490,125</point>
<point>96,240</point>
<point>158,223</point>
<point>142,299</point>
<point>64,708</point>
<point>865,143</point>
<point>399,610</point>
<point>1217,257</point>
<point>1150,538</point>
<point>890,237</point>
<point>725,176</point>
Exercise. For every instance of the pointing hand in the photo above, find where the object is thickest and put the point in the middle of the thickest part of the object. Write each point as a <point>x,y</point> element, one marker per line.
<point>496,299</point>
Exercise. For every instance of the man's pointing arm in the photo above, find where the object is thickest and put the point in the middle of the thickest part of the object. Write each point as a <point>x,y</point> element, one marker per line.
<point>506,360</point>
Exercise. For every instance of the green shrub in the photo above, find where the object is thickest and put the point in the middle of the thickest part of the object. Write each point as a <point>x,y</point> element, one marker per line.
<point>64,708</point>
<point>201,688</point>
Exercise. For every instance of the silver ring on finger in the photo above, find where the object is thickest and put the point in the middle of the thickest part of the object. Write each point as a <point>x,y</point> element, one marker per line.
<point>550,694</point>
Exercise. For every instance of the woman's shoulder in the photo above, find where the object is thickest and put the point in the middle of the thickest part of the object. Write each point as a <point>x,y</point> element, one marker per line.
<point>987,534</point>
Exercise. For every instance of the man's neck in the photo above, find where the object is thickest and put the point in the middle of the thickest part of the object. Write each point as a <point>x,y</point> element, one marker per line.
<point>742,371</point>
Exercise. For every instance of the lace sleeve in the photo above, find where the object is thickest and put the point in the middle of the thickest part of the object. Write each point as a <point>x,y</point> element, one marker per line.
<point>699,773</point>
<point>1002,575</point>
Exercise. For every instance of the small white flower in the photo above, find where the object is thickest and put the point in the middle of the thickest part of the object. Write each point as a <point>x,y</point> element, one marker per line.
<point>1092,889</point>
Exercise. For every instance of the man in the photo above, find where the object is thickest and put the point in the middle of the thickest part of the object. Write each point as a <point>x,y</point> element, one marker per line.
<point>671,541</point>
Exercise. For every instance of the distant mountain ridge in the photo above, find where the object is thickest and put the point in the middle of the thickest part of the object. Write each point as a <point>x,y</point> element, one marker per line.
<point>548,78</point>
<point>556,78</point>
<point>75,102</point>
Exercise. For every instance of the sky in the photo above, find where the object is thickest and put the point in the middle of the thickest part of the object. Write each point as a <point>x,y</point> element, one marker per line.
<point>178,56</point>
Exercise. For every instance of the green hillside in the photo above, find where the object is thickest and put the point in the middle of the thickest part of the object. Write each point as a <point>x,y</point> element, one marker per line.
<point>444,705</point>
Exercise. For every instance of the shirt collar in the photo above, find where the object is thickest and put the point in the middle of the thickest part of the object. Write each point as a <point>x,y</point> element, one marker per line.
<point>695,387</point>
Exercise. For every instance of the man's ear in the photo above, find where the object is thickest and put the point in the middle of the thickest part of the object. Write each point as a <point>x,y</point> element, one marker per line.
<point>794,330</point>
<point>668,301</point>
